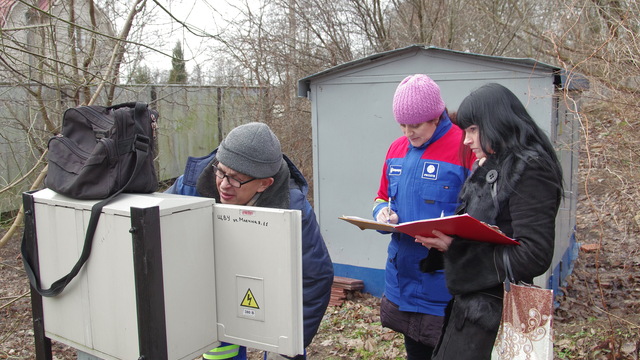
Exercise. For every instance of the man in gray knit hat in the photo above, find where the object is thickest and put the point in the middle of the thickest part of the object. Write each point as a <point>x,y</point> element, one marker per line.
<point>248,159</point>
<point>248,168</point>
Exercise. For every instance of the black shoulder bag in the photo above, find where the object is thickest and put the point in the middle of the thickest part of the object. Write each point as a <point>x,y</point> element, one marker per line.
<point>100,153</point>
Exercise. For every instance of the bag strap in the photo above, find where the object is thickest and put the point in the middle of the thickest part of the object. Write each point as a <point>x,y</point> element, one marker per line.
<point>141,148</point>
<point>59,285</point>
<point>509,278</point>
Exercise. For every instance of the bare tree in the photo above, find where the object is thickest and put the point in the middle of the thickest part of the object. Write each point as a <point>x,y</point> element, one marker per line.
<point>53,58</point>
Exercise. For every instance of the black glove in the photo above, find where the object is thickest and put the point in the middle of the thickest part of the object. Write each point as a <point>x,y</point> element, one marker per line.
<point>434,261</point>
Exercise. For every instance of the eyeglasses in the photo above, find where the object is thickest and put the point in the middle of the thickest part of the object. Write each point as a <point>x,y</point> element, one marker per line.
<point>231,180</point>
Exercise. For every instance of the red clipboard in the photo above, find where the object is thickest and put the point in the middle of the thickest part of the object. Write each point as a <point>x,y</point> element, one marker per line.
<point>464,226</point>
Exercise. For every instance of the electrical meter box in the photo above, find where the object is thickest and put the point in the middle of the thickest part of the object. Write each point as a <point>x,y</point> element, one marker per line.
<point>168,277</point>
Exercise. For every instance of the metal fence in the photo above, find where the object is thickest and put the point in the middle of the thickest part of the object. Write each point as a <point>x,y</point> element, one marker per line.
<point>193,119</point>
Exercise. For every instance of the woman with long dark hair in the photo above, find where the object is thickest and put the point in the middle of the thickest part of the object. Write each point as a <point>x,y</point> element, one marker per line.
<point>516,185</point>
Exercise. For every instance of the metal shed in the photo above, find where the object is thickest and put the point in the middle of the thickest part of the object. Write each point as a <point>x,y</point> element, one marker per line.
<point>353,125</point>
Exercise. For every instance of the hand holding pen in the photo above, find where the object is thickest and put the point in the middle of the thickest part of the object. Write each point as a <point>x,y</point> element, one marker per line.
<point>386,215</point>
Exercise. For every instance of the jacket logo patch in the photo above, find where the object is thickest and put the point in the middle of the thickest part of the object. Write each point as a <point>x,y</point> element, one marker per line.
<point>395,170</point>
<point>430,171</point>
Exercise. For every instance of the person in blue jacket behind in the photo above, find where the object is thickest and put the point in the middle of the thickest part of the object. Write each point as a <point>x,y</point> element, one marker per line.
<point>249,168</point>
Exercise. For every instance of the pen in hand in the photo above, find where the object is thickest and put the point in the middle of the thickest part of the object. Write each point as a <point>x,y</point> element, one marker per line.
<point>389,211</point>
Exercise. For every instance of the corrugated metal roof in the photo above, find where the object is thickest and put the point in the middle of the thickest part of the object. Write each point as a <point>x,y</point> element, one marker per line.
<point>304,83</point>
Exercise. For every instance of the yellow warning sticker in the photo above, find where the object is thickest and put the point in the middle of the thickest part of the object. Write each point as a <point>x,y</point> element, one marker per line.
<point>249,300</point>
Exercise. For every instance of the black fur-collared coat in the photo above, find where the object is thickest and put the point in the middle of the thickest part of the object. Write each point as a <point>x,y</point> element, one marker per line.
<point>524,204</point>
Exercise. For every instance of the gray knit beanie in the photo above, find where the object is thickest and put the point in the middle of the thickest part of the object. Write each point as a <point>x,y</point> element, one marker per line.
<point>251,149</point>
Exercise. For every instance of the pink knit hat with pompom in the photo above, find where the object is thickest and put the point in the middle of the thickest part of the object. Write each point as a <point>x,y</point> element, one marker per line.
<point>417,99</point>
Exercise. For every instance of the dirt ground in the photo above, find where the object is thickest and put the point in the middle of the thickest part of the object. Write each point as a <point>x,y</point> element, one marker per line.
<point>598,315</point>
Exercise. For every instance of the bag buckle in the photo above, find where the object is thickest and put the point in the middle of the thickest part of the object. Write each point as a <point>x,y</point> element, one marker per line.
<point>140,142</point>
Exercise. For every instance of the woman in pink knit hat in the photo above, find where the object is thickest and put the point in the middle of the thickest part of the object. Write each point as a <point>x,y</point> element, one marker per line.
<point>421,177</point>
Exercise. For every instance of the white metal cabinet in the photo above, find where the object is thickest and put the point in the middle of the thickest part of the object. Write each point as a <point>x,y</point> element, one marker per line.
<point>168,276</point>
